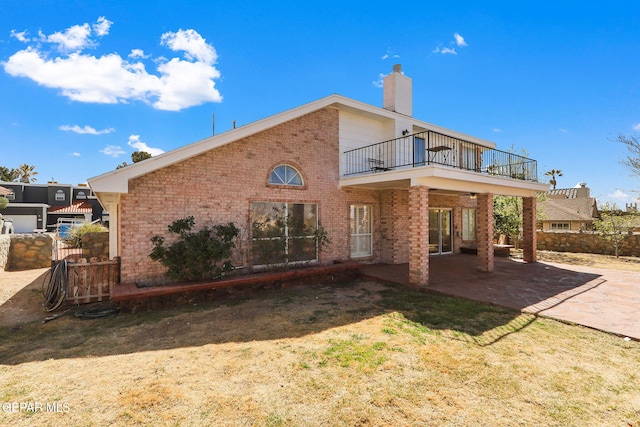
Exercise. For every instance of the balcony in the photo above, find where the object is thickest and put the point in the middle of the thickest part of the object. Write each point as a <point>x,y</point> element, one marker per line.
<point>432,148</point>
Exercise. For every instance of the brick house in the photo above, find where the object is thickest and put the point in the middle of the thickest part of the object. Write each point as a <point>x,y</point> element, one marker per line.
<point>386,187</point>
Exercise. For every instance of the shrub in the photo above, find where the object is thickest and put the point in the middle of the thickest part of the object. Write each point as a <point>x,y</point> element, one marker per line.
<point>196,255</point>
<point>74,240</point>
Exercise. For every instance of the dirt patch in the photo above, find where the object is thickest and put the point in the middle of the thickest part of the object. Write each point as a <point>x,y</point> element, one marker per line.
<point>21,296</point>
<point>590,260</point>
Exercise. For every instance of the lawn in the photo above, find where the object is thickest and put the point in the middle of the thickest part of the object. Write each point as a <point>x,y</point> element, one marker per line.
<point>340,354</point>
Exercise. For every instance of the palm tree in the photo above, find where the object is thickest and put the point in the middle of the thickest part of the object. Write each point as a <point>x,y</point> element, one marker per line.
<point>552,173</point>
<point>27,173</point>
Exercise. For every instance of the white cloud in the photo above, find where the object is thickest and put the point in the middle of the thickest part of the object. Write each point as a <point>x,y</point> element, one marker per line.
<point>636,126</point>
<point>192,43</point>
<point>85,130</point>
<point>618,195</point>
<point>564,131</point>
<point>73,39</point>
<point>459,40</point>
<point>379,83</point>
<point>179,83</point>
<point>445,51</point>
<point>137,53</point>
<point>496,130</point>
<point>389,54</point>
<point>113,151</point>
<point>101,27</point>
<point>75,154</point>
<point>134,141</point>
<point>20,36</point>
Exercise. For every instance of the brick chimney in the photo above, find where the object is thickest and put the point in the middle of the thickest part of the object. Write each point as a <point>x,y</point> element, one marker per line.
<point>397,92</point>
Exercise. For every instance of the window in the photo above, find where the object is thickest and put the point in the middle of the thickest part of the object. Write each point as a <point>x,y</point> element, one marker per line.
<point>284,232</point>
<point>361,235</point>
<point>10,196</point>
<point>468,224</point>
<point>285,175</point>
<point>60,196</point>
<point>81,195</point>
<point>560,226</point>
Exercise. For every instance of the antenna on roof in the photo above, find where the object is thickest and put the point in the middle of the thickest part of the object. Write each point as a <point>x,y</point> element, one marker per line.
<point>213,124</point>
<point>234,124</point>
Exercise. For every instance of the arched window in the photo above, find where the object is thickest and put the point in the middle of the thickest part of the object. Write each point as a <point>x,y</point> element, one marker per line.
<point>60,196</point>
<point>285,175</point>
<point>81,195</point>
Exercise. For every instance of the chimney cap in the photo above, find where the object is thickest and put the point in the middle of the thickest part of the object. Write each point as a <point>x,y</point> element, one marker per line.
<point>397,68</point>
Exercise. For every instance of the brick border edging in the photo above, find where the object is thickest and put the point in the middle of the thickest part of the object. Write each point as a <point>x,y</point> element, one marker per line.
<point>134,299</point>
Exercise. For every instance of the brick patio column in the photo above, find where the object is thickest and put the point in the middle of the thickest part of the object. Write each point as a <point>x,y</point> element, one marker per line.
<point>485,232</point>
<point>529,234</point>
<point>419,236</point>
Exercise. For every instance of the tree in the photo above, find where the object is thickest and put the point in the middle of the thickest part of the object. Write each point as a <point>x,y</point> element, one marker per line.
<point>552,173</point>
<point>507,216</point>
<point>633,159</point>
<point>8,175</point>
<point>27,173</point>
<point>138,156</point>
<point>613,225</point>
<point>4,202</point>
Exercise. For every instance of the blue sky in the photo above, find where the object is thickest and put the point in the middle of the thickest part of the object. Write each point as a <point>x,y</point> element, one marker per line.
<point>83,84</point>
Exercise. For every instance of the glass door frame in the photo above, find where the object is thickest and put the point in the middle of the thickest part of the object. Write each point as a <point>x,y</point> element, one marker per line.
<point>440,232</point>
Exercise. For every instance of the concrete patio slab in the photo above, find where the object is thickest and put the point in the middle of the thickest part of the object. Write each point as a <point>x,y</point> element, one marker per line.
<point>607,300</point>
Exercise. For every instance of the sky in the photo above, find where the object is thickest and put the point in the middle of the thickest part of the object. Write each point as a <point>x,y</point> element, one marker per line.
<point>83,84</point>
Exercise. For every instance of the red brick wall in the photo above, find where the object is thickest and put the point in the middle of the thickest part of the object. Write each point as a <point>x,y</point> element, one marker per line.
<point>394,212</point>
<point>485,232</point>
<point>219,186</point>
<point>419,236</point>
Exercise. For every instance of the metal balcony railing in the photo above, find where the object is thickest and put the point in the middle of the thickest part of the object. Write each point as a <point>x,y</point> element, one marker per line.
<point>433,148</point>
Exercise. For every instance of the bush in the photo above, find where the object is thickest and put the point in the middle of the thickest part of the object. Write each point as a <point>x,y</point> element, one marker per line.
<point>74,240</point>
<point>196,255</point>
<point>4,202</point>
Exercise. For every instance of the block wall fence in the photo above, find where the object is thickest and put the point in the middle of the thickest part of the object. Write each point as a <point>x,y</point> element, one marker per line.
<point>585,242</point>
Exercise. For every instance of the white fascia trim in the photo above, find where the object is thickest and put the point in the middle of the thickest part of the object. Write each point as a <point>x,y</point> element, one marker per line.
<point>117,181</point>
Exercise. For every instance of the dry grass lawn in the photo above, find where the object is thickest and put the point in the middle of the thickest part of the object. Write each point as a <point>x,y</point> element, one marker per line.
<point>340,354</point>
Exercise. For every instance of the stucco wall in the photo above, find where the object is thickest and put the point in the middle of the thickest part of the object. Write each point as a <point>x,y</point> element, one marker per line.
<point>29,251</point>
<point>586,242</point>
<point>218,186</point>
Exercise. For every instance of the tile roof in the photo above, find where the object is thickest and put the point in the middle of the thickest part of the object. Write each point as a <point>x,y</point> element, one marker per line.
<point>569,193</point>
<point>76,208</point>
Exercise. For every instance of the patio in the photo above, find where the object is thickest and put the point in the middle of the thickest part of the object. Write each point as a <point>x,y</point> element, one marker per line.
<point>607,300</point>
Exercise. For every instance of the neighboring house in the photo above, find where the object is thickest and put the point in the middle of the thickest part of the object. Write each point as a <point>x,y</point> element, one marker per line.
<point>386,187</point>
<point>568,209</point>
<point>37,207</point>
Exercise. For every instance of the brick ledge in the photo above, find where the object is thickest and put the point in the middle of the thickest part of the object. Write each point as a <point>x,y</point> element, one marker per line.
<point>129,291</point>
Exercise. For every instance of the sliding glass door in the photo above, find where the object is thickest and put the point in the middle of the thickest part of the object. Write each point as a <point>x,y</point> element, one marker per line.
<point>440,236</point>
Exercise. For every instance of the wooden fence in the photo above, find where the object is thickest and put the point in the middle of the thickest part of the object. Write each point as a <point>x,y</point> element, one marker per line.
<point>91,280</point>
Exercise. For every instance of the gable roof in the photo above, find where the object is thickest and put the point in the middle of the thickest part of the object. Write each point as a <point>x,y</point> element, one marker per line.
<point>117,181</point>
<point>576,209</point>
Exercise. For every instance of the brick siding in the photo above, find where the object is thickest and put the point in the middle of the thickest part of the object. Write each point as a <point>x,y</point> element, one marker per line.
<point>485,232</point>
<point>218,186</point>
